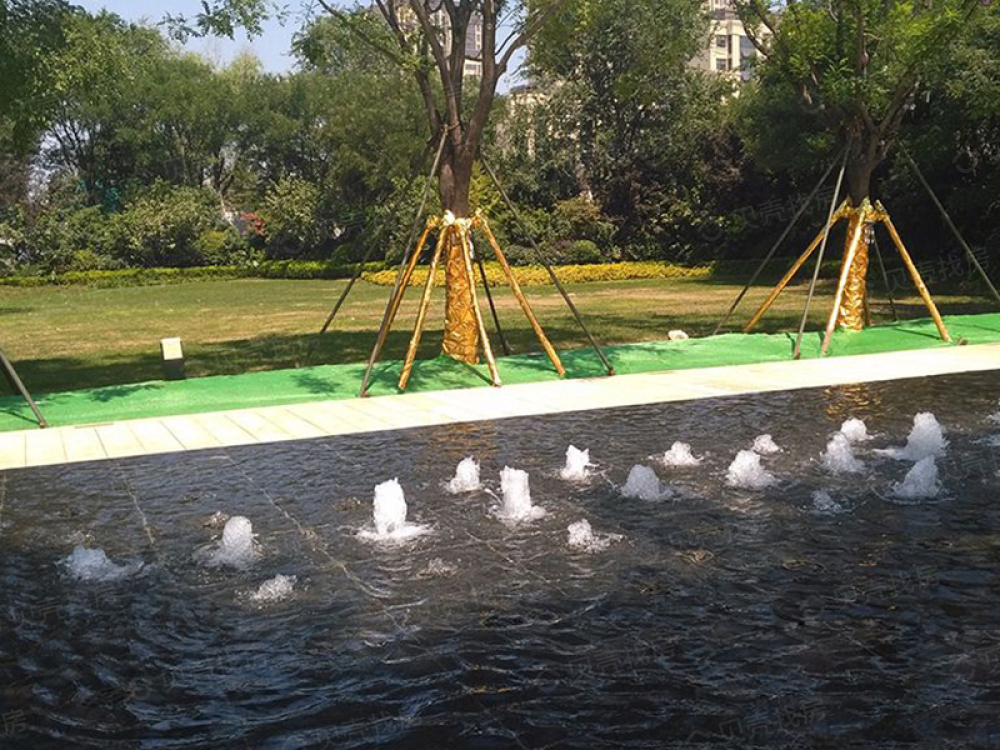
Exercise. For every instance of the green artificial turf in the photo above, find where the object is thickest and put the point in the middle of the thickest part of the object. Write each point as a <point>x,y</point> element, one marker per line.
<point>278,387</point>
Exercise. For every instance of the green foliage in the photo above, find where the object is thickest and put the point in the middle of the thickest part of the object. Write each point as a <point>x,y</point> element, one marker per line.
<point>292,219</point>
<point>163,226</point>
<point>633,110</point>
<point>31,33</point>
<point>846,72</point>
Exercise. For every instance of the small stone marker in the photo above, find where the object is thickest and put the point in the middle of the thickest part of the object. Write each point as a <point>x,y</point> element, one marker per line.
<point>173,359</point>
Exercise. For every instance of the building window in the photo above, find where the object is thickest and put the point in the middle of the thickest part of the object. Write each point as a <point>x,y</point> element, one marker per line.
<point>722,64</point>
<point>721,41</point>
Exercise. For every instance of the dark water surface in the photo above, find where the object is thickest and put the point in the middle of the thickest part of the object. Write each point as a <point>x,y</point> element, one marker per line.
<point>727,618</point>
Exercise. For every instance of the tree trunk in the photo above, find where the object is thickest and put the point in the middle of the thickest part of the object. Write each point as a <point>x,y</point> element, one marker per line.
<point>851,313</point>
<point>461,333</point>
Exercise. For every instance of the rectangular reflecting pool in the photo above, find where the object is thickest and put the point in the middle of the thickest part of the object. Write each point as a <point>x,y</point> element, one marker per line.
<point>826,588</point>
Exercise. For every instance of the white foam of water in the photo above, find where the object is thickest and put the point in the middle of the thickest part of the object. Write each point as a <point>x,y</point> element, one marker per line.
<point>466,477</point>
<point>824,504</point>
<point>680,455</point>
<point>583,537</point>
<point>93,565</point>
<point>855,430</point>
<point>839,457</point>
<point>274,590</point>
<point>643,484</point>
<point>238,547</point>
<point>577,467</point>
<point>389,516</point>
<point>926,438</point>
<point>764,445</point>
<point>747,472</point>
<point>517,496</point>
<point>436,567</point>
<point>920,482</point>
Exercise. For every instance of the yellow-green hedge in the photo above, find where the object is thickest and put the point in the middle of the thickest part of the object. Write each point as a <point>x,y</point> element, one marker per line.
<point>538,276</point>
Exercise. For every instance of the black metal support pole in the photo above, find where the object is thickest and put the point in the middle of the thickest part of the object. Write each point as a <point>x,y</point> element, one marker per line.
<point>547,266</point>
<point>377,350</point>
<point>493,307</point>
<point>15,382</point>
<point>951,225</point>
<point>797,351</point>
<point>885,277</point>
<point>774,248</point>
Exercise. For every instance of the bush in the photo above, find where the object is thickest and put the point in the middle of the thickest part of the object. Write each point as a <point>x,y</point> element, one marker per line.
<point>519,255</point>
<point>163,227</point>
<point>292,223</point>
<point>581,218</point>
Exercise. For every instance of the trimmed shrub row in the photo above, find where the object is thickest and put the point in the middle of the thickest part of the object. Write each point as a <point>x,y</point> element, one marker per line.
<point>572,274</point>
<point>384,274</point>
<point>283,269</point>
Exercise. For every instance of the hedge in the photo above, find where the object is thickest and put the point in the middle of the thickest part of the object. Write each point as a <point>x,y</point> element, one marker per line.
<point>385,274</point>
<point>575,274</point>
<point>286,269</point>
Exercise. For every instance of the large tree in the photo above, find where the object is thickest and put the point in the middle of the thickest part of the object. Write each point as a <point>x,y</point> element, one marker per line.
<point>853,67</point>
<point>431,39</point>
<point>637,111</point>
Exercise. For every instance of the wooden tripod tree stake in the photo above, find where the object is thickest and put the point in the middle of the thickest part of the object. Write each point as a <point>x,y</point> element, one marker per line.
<point>465,329</point>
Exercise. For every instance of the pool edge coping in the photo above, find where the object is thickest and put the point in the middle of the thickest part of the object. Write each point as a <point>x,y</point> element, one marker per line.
<point>339,417</point>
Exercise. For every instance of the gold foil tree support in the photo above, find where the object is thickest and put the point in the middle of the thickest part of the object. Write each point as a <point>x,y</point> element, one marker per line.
<point>850,299</point>
<point>465,330</point>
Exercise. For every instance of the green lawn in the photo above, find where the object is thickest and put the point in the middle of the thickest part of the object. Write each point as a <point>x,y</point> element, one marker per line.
<point>69,338</point>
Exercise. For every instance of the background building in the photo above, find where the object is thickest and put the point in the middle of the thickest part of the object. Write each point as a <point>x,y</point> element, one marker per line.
<point>473,37</point>
<point>728,49</point>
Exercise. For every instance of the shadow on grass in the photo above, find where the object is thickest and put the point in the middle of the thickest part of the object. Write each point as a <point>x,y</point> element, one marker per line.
<point>289,351</point>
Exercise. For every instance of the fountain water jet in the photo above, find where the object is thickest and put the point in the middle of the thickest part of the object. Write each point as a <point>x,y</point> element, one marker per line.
<point>926,438</point>
<point>238,547</point>
<point>855,430</point>
<point>643,484</point>
<point>746,472</point>
<point>466,477</point>
<point>93,565</point>
<point>517,496</point>
<point>389,515</point>
<point>583,537</point>
<point>824,504</point>
<point>764,445</point>
<point>275,589</point>
<point>921,481</point>
<point>839,457</point>
<point>577,468</point>
<point>680,455</point>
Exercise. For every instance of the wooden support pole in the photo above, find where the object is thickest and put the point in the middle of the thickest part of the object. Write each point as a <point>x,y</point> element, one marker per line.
<point>918,282</point>
<point>519,295</point>
<point>854,242</point>
<point>780,287</point>
<point>395,300</point>
<point>15,382</point>
<point>463,237</point>
<point>411,352</point>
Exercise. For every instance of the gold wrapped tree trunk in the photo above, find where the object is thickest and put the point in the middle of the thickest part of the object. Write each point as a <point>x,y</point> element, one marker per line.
<point>849,303</point>
<point>461,332</point>
<point>851,312</point>
<point>465,330</point>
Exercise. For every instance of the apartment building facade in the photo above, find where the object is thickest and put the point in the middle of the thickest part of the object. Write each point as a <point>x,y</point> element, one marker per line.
<point>728,48</point>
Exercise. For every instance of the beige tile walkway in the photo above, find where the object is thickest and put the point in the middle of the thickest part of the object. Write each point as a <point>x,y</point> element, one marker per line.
<point>324,418</point>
